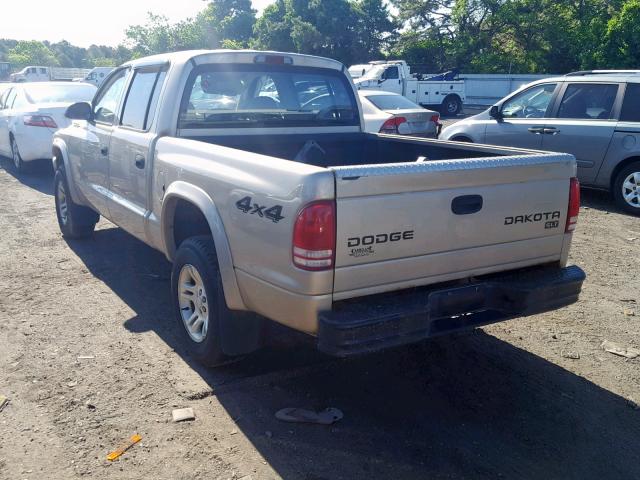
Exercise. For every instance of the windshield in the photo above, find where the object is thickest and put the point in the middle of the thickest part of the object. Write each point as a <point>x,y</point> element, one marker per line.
<point>47,93</point>
<point>228,96</point>
<point>392,102</point>
<point>374,73</point>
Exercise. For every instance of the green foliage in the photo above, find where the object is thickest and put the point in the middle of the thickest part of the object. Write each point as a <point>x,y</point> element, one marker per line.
<point>492,36</point>
<point>31,53</point>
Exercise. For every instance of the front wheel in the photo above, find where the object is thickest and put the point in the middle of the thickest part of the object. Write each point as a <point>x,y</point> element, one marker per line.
<point>626,189</point>
<point>451,106</point>
<point>75,221</point>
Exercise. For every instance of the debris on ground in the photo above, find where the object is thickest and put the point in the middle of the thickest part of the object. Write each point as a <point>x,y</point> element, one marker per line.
<point>117,453</point>
<point>628,352</point>
<point>85,357</point>
<point>571,355</point>
<point>183,414</point>
<point>301,415</point>
<point>4,401</point>
<point>629,313</point>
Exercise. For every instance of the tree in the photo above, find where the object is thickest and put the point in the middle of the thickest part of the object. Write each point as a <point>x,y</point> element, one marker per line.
<point>31,53</point>
<point>621,46</point>
<point>229,20</point>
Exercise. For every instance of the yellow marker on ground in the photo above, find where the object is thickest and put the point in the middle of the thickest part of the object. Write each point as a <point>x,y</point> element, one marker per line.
<point>116,453</point>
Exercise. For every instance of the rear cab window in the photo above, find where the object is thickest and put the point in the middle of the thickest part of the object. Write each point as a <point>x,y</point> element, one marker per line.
<point>265,96</point>
<point>631,104</point>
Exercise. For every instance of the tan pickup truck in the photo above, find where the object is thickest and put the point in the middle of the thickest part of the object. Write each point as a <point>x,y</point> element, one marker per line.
<point>251,171</point>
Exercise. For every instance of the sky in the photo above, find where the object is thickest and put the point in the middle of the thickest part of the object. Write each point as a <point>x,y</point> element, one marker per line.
<point>86,22</point>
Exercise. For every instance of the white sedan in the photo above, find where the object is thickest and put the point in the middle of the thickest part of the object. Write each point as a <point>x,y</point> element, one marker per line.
<point>386,112</point>
<point>30,113</point>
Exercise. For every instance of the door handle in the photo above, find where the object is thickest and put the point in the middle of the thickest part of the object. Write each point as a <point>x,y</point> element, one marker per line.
<point>104,150</point>
<point>536,130</point>
<point>551,131</point>
<point>139,161</point>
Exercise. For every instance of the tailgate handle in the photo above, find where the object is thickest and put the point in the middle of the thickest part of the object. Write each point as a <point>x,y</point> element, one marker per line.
<point>466,204</point>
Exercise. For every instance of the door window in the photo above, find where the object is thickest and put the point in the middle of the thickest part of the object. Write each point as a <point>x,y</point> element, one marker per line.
<point>391,73</point>
<point>106,106</point>
<point>631,105</point>
<point>588,101</point>
<point>532,103</point>
<point>43,70</point>
<point>139,107</point>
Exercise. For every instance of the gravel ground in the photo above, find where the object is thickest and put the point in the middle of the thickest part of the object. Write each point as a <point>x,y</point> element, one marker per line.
<point>89,356</point>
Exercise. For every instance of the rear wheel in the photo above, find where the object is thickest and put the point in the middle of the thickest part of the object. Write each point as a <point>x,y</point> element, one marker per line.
<point>215,334</point>
<point>75,221</point>
<point>18,163</point>
<point>626,188</point>
<point>451,106</point>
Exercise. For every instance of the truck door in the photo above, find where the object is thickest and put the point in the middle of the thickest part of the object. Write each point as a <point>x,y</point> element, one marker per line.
<point>390,80</point>
<point>583,125</point>
<point>131,151</point>
<point>90,159</point>
<point>523,118</point>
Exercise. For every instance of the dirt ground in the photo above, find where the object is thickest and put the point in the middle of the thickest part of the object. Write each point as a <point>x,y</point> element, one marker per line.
<point>89,356</point>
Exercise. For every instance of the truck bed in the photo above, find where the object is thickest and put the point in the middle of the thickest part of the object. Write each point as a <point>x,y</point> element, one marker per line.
<point>353,149</point>
<point>413,212</point>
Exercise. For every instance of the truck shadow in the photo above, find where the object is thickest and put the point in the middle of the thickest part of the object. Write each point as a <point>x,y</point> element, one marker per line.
<point>470,406</point>
<point>39,175</point>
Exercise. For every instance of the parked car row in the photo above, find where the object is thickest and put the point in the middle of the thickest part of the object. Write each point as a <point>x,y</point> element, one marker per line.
<point>594,116</point>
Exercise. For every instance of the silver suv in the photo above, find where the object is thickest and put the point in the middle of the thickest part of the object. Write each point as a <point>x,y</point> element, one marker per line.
<point>594,115</point>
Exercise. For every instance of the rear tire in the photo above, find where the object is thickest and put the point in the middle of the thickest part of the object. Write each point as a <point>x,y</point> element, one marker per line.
<point>451,106</point>
<point>75,221</point>
<point>626,189</point>
<point>18,164</point>
<point>215,334</point>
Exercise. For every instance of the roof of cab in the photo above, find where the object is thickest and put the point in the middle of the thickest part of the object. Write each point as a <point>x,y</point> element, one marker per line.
<point>231,56</point>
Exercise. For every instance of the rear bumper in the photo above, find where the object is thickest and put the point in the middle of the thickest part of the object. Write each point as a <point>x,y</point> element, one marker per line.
<point>380,321</point>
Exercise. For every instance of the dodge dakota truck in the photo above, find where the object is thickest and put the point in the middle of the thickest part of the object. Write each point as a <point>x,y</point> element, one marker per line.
<point>252,173</point>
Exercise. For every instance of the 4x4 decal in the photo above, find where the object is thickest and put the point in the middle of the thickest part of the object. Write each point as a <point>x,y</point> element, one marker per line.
<point>246,205</point>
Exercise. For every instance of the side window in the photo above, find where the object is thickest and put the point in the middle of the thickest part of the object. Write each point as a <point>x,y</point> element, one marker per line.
<point>3,98</point>
<point>154,99</point>
<point>532,103</point>
<point>631,105</point>
<point>141,97</point>
<point>391,73</point>
<point>106,105</point>
<point>43,70</point>
<point>11,98</point>
<point>20,101</point>
<point>588,101</point>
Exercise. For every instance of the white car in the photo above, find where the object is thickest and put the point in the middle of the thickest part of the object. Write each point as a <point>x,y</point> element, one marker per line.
<point>386,112</point>
<point>30,113</point>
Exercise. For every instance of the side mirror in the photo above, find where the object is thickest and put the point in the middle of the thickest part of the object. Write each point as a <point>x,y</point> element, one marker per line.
<point>494,112</point>
<point>79,111</point>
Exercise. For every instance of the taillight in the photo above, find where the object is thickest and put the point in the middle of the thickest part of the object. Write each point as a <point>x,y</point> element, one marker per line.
<point>314,236</point>
<point>391,125</point>
<point>40,121</point>
<point>574,205</point>
<point>435,118</point>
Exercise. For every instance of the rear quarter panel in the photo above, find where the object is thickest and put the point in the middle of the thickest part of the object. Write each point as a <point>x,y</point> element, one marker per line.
<point>260,247</point>
<point>624,144</point>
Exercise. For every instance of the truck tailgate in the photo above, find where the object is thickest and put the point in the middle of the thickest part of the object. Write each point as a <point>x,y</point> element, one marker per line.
<point>409,224</point>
